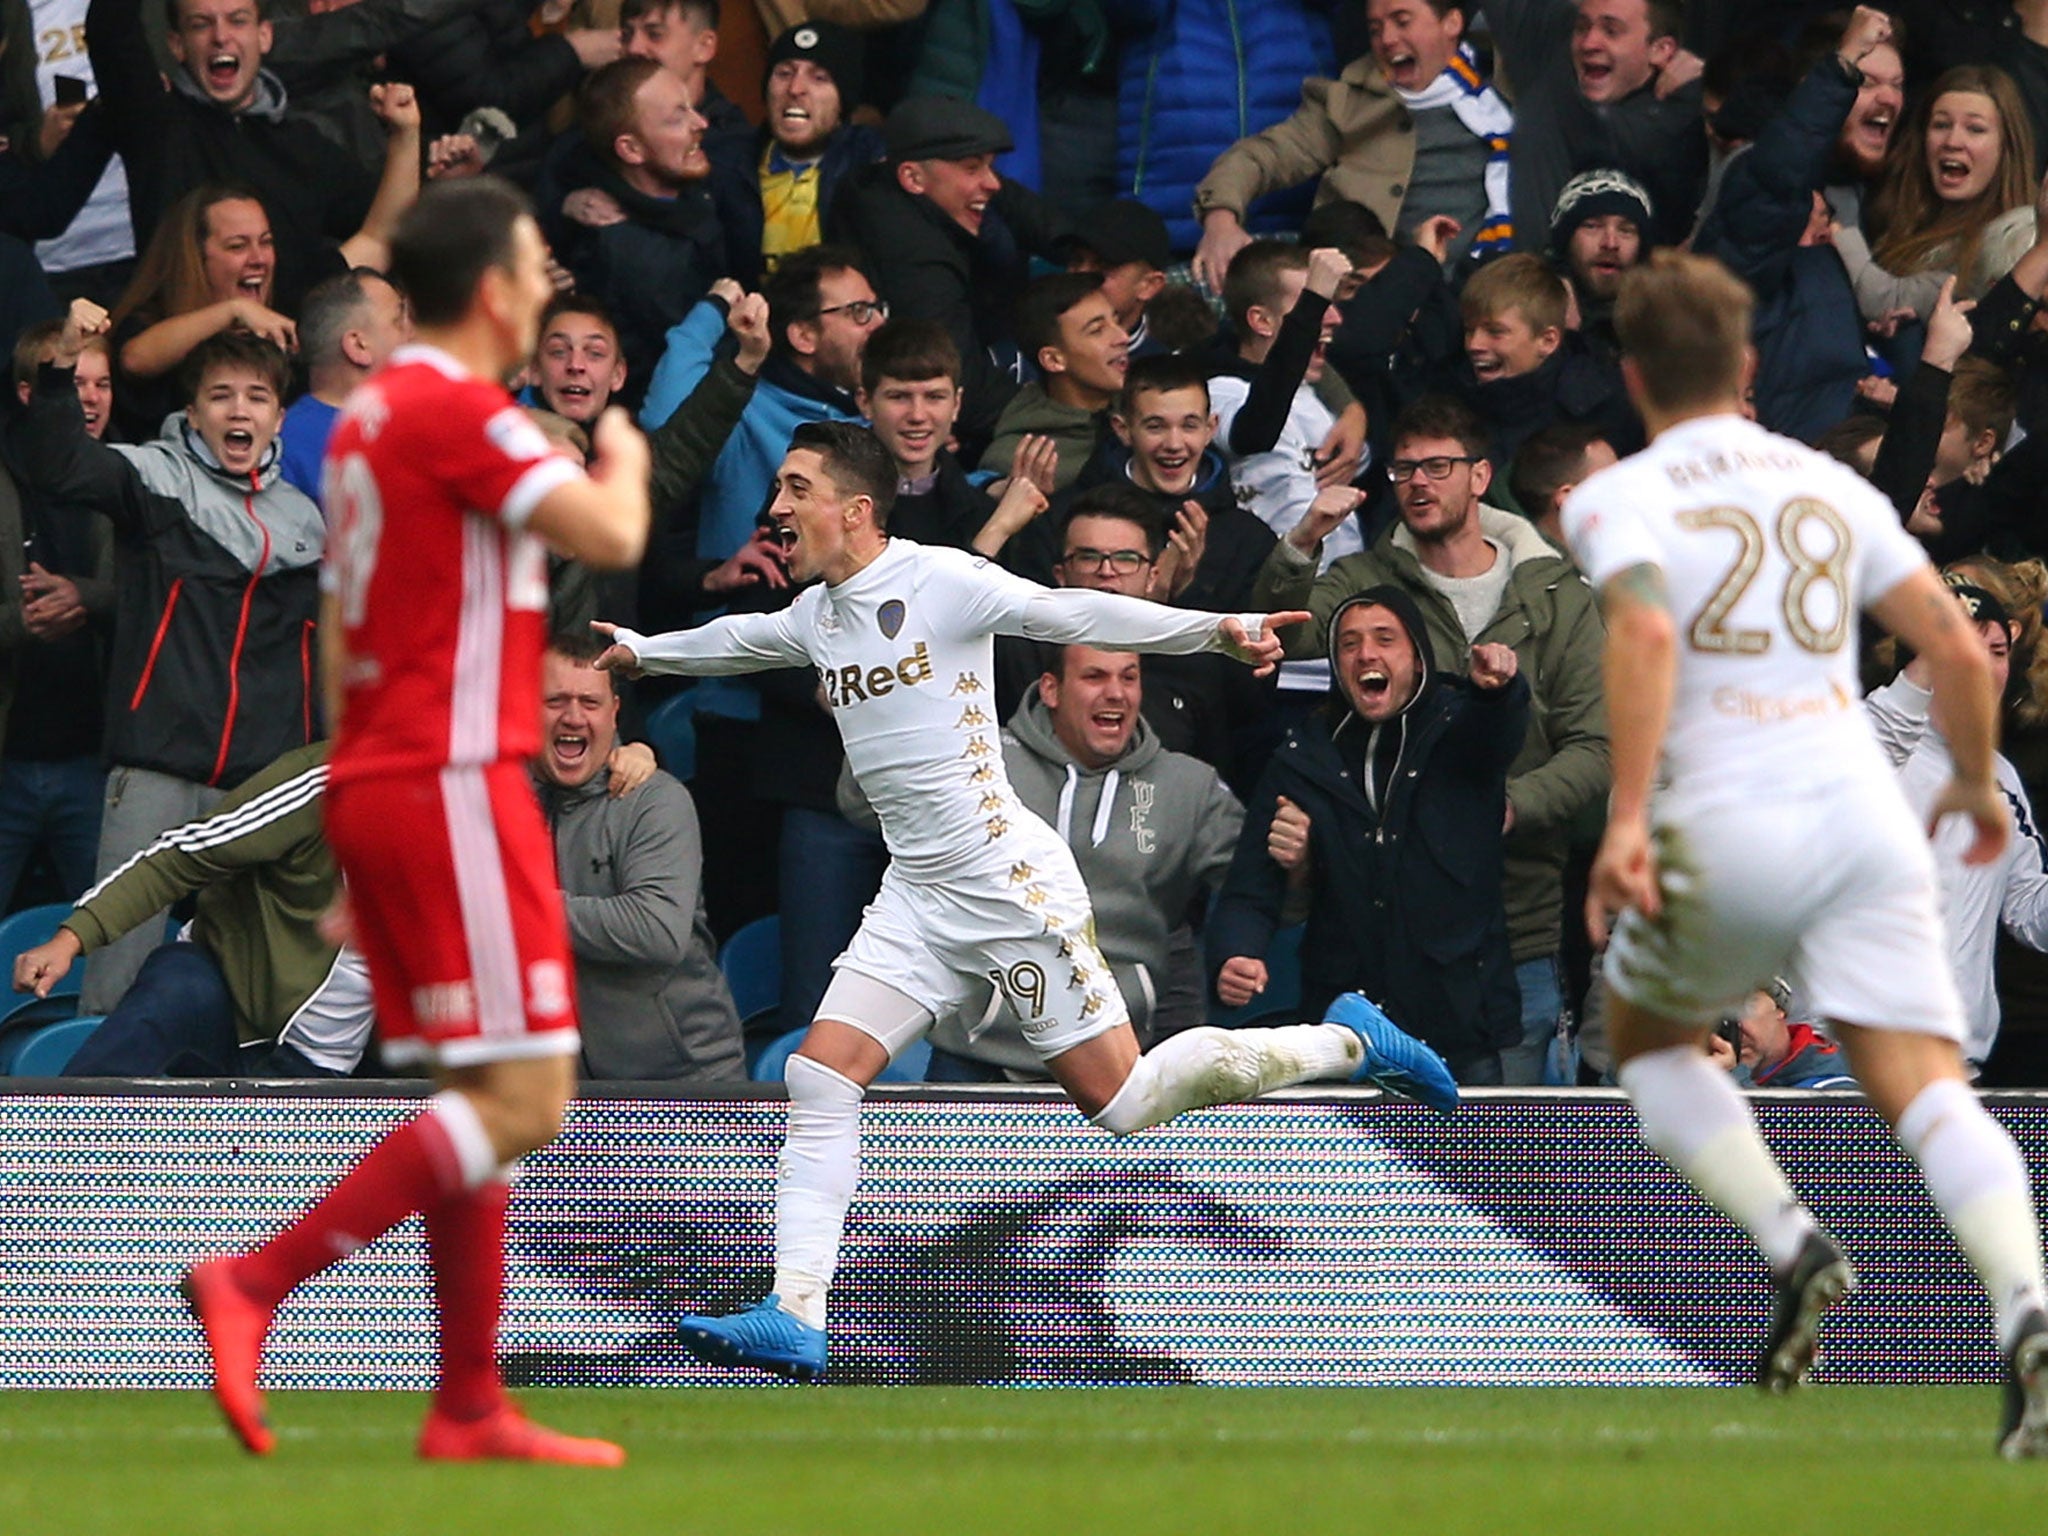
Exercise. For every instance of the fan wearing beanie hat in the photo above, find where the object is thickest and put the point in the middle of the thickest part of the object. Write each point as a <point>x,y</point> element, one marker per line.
<point>1598,227</point>
<point>814,81</point>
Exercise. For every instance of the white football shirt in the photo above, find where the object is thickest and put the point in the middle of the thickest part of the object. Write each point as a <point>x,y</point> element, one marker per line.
<point>1769,552</point>
<point>904,652</point>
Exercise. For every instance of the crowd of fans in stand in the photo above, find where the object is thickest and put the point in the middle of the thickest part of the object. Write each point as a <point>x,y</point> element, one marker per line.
<point>1300,305</point>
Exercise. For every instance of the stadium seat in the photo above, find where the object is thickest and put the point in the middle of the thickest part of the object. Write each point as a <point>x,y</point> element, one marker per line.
<point>27,1018</point>
<point>48,1051</point>
<point>752,963</point>
<point>769,1066</point>
<point>29,927</point>
<point>1281,1001</point>
<point>910,1066</point>
<point>672,732</point>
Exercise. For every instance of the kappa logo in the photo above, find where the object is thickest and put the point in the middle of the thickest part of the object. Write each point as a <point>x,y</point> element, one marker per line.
<point>890,617</point>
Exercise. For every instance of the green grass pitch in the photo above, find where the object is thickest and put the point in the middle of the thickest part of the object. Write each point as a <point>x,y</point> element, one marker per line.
<point>1186,1462</point>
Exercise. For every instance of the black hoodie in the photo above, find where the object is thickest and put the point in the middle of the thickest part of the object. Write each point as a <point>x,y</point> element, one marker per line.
<point>1405,891</point>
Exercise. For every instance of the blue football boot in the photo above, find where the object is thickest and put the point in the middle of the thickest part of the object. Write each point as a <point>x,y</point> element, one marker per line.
<point>764,1336</point>
<point>1394,1059</point>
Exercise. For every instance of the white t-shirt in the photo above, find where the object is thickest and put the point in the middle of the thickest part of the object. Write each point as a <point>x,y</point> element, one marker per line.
<point>1769,551</point>
<point>1276,487</point>
<point>904,650</point>
<point>1975,898</point>
<point>101,232</point>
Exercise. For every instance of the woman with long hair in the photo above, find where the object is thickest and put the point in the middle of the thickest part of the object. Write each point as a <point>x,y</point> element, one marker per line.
<point>1958,189</point>
<point>211,266</point>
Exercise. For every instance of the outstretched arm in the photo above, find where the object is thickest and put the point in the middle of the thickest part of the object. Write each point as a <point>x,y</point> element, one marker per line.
<point>734,643</point>
<point>1082,616</point>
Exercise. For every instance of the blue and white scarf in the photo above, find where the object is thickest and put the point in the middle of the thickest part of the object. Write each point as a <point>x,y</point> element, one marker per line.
<point>1486,117</point>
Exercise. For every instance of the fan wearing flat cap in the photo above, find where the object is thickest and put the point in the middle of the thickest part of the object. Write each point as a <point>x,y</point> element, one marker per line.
<point>948,238</point>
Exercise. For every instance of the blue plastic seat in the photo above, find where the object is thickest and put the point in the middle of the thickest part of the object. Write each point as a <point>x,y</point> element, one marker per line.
<point>1282,998</point>
<point>768,1067</point>
<point>752,963</point>
<point>27,1018</point>
<point>672,732</point>
<point>48,1051</point>
<point>29,927</point>
<point>773,1062</point>
<point>909,1067</point>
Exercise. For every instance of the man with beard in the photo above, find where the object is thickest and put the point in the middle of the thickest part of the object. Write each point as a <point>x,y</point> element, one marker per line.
<point>661,256</point>
<point>899,637</point>
<point>1596,234</point>
<point>1480,576</point>
<point>807,144</point>
<point>1386,806</point>
<point>1771,225</point>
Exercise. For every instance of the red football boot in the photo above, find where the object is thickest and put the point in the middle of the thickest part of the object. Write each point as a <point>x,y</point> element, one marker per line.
<point>234,1327</point>
<point>508,1435</point>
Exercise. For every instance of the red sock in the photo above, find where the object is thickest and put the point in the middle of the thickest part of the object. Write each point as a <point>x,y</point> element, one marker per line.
<point>466,1246</point>
<point>411,1169</point>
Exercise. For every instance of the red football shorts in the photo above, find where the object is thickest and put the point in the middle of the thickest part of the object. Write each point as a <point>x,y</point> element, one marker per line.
<point>451,879</point>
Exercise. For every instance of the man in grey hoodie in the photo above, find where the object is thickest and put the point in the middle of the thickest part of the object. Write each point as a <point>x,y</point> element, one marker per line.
<point>648,987</point>
<point>1149,828</point>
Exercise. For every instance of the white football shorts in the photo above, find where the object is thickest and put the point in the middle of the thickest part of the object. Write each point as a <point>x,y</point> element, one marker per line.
<point>1029,931</point>
<point>1831,886</point>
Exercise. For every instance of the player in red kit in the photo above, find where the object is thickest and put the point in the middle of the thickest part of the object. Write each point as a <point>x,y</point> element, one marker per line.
<point>433,620</point>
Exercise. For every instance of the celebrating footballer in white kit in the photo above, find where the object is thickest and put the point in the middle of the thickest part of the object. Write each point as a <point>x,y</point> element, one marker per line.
<point>978,888</point>
<point>1732,567</point>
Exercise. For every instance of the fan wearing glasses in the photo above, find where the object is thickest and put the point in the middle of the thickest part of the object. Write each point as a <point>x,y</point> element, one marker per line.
<point>1111,538</point>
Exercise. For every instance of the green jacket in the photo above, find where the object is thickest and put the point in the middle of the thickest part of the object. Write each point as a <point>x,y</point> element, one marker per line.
<point>264,874</point>
<point>1550,618</point>
<point>1075,430</point>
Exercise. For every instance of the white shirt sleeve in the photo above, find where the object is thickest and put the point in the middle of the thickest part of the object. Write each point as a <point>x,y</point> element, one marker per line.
<point>993,600</point>
<point>1606,533</point>
<point>1082,616</point>
<point>738,642</point>
<point>2024,910</point>
<point>1898,716</point>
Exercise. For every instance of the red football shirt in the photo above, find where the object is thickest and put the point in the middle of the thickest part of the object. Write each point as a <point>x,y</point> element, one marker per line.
<point>431,474</point>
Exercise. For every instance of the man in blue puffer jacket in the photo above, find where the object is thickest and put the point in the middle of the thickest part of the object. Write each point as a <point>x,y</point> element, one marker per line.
<point>1197,76</point>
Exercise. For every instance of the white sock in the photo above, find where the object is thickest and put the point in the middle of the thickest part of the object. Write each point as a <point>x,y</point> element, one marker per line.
<point>814,1181</point>
<point>1977,1178</point>
<point>1222,1066</point>
<point>475,1158</point>
<point>1692,1115</point>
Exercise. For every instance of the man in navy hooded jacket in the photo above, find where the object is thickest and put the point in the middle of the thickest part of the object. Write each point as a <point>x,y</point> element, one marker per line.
<point>1387,805</point>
